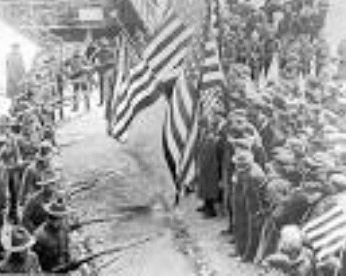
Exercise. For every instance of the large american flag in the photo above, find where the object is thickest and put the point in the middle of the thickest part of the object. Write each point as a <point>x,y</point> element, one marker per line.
<point>327,232</point>
<point>180,133</point>
<point>165,52</point>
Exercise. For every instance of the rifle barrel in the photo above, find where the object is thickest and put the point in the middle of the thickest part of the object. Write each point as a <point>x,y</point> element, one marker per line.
<point>73,265</point>
<point>77,226</point>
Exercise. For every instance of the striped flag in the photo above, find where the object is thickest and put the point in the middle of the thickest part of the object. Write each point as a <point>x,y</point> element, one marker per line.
<point>327,233</point>
<point>165,52</point>
<point>120,84</point>
<point>213,79</point>
<point>212,82</point>
<point>180,133</point>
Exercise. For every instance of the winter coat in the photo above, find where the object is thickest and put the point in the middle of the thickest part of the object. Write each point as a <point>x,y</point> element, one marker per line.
<point>208,185</point>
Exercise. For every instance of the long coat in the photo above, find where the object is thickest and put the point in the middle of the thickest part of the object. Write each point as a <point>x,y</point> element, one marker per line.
<point>15,73</point>
<point>208,185</point>
<point>246,204</point>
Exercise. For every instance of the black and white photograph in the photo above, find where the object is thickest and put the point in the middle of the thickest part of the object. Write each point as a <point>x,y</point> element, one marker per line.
<point>173,137</point>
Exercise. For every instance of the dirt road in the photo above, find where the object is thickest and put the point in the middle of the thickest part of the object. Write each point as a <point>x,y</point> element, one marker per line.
<point>184,245</point>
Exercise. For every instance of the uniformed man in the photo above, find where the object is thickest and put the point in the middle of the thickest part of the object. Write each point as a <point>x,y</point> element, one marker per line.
<point>36,171</point>
<point>19,259</point>
<point>52,237</point>
<point>249,182</point>
<point>14,167</point>
<point>34,213</point>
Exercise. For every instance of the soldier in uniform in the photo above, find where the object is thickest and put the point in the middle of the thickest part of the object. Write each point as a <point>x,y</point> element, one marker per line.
<point>34,213</point>
<point>35,172</point>
<point>249,181</point>
<point>19,259</point>
<point>13,167</point>
<point>52,237</point>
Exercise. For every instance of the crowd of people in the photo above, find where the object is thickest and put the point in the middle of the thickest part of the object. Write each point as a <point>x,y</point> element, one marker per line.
<point>34,234</point>
<point>35,221</point>
<point>276,156</point>
<point>270,160</point>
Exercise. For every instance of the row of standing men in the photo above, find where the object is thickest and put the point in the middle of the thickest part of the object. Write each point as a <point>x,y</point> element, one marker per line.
<point>269,182</point>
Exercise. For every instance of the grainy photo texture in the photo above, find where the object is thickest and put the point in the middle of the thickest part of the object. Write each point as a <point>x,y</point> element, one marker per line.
<point>173,137</point>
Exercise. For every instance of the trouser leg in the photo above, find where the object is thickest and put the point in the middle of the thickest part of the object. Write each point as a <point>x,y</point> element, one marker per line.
<point>102,89</point>
<point>13,197</point>
<point>75,97</point>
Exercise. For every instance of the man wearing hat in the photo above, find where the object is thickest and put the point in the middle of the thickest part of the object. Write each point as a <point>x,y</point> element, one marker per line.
<point>34,213</point>
<point>250,180</point>
<point>52,236</point>
<point>36,171</point>
<point>14,166</point>
<point>19,259</point>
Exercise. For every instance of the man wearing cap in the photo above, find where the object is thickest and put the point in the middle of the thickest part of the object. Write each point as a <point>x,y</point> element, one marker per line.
<point>33,212</point>
<point>52,237</point>
<point>19,259</point>
<point>36,172</point>
<point>240,129</point>
<point>250,181</point>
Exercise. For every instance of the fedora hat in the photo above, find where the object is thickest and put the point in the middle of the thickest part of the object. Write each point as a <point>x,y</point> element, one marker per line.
<point>56,208</point>
<point>17,239</point>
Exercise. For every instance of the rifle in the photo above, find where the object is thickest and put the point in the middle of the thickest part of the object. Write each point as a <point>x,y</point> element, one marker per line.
<point>79,225</point>
<point>89,184</point>
<point>74,265</point>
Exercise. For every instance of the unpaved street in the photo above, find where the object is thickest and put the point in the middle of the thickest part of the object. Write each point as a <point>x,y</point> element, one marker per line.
<point>132,175</point>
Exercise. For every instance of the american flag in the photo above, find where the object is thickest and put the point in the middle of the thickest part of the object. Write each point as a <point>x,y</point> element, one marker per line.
<point>327,232</point>
<point>165,52</point>
<point>213,79</point>
<point>180,133</point>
